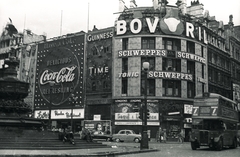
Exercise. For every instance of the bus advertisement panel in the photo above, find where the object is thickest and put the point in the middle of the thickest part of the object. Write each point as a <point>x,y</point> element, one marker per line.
<point>214,122</point>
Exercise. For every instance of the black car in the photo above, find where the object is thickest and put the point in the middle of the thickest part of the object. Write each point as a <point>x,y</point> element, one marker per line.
<point>98,135</point>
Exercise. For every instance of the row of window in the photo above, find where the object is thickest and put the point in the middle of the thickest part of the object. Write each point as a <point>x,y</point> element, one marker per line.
<point>170,88</point>
<point>168,64</point>
<point>216,76</point>
<point>167,43</point>
<point>220,61</point>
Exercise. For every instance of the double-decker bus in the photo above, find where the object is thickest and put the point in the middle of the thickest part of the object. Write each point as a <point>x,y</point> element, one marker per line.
<point>214,122</point>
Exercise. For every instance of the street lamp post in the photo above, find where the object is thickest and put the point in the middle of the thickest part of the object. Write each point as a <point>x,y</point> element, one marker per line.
<point>73,97</point>
<point>50,105</point>
<point>144,141</point>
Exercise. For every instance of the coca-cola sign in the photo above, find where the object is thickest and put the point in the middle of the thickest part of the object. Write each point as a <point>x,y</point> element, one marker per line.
<point>60,73</point>
<point>64,75</point>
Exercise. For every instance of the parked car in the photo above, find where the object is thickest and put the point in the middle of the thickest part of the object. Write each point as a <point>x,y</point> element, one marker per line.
<point>101,135</point>
<point>126,135</point>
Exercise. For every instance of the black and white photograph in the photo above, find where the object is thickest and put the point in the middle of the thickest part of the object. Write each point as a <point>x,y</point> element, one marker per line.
<point>130,78</point>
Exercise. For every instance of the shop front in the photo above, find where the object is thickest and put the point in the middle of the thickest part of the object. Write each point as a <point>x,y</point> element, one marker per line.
<point>126,116</point>
<point>175,117</point>
<point>62,118</point>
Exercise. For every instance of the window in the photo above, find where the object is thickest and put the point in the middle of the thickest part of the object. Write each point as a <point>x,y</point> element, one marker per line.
<point>203,71</point>
<point>125,43</point>
<point>106,49</point>
<point>148,43</point>
<point>94,86</point>
<point>191,67</point>
<point>171,88</point>
<point>190,90</point>
<point>171,64</point>
<point>210,56</point>
<point>124,86</point>
<point>124,64</point>
<point>150,86</point>
<point>171,44</point>
<point>190,47</point>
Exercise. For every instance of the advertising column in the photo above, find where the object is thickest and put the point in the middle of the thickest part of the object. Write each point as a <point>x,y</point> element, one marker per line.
<point>59,82</point>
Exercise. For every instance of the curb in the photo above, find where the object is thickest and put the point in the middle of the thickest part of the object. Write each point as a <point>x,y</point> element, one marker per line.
<point>106,154</point>
<point>110,154</point>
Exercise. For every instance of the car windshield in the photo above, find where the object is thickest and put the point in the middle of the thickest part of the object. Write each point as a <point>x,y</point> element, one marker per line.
<point>133,132</point>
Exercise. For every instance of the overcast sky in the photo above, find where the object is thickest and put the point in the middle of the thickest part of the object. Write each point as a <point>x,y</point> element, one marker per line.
<point>45,15</point>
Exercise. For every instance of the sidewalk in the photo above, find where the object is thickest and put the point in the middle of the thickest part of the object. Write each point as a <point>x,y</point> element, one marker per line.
<point>114,151</point>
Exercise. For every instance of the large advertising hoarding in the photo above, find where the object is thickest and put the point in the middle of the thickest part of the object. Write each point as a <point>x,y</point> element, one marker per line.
<point>59,74</point>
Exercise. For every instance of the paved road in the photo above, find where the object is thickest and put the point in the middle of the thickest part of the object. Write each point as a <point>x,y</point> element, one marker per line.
<point>180,150</point>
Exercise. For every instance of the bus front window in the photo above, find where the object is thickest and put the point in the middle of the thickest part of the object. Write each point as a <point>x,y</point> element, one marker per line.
<point>212,125</point>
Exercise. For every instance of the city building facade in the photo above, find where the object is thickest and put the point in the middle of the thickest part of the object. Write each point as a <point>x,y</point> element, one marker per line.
<point>99,79</point>
<point>186,52</point>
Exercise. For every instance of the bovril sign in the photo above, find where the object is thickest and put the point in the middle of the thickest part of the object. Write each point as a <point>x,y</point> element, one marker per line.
<point>170,24</point>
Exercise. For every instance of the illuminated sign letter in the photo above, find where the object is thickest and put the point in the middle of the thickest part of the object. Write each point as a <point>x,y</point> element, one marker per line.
<point>152,27</point>
<point>189,29</point>
<point>139,26</point>
<point>121,27</point>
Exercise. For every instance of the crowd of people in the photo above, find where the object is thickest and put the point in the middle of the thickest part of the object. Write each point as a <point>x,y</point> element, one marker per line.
<point>162,136</point>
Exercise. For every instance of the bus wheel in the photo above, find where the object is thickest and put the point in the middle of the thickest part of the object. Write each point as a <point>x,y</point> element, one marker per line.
<point>234,145</point>
<point>193,145</point>
<point>220,145</point>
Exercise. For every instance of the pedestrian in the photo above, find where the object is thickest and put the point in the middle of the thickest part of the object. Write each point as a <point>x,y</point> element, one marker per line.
<point>86,135</point>
<point>68,136</point>
<point>164,139</point>
<point>180,137</point>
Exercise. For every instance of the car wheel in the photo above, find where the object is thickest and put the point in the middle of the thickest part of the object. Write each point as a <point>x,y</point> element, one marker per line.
<point>193,146</point>
<point>136,140</point>
<point>117,140</point>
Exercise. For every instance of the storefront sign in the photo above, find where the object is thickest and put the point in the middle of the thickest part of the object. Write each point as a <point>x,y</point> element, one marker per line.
<point>60,114</point>
<point>170,75</point>
<point>188,109</point>
<point>97,117</point>
<point>190,56</point>
<point>136,26</point>
<point>100,36</point>
<point>134,116</point>
<point>142,52</point>
<point>41,114</point>
<point>128,74</point>
<point>137,123</point>
<point>97,71</point>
